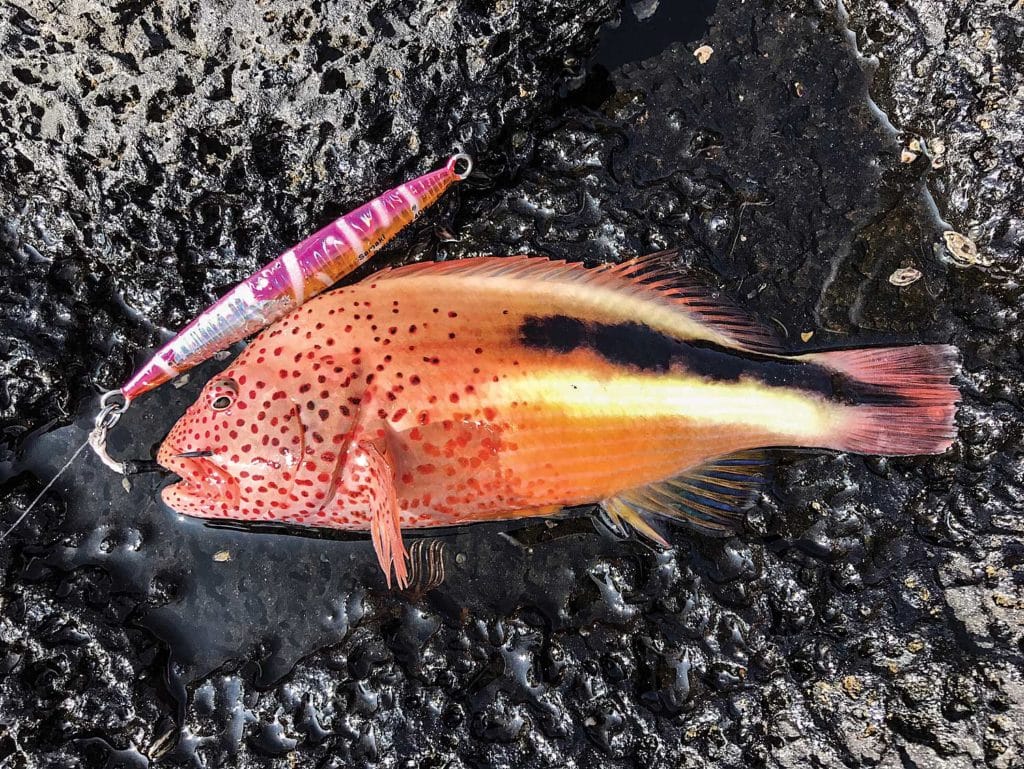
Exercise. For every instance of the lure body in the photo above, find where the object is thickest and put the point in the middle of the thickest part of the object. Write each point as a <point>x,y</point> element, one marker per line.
<point>496,388</point>
<point>298,274</point>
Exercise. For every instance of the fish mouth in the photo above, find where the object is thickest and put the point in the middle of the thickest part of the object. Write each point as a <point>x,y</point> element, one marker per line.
<point>205,488</point>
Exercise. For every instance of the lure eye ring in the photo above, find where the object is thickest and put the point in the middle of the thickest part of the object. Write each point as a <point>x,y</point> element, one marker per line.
<point>222,395</point>
<point>461,159</point>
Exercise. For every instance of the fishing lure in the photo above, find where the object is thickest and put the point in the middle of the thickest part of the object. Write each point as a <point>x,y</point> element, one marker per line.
<point>294,277</point>
<point>506,387</point>
<point>297,275</point>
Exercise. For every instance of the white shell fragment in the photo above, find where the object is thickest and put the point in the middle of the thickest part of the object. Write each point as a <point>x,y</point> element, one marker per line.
<point>964,250</point>
<point>221,556</point>
<point>704,53</point>
<point>904,276</point>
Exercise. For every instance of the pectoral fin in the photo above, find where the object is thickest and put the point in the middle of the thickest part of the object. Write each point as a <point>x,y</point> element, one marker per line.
<point>378,482</point>
<point>711,496</point>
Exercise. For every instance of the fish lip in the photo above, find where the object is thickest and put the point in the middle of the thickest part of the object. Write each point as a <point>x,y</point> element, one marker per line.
<point>201,480</point>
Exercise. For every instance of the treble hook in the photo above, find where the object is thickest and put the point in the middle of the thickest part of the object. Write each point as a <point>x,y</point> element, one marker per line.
<point>113,404</point>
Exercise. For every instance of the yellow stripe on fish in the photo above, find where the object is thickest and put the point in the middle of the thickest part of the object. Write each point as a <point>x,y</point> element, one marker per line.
<point>794,417</point>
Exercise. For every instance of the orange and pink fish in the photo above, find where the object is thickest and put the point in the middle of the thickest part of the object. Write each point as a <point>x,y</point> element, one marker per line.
<point>506,387</point>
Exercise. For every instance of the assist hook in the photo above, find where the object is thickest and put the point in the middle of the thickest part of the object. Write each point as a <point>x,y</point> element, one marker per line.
<point>113,404</point>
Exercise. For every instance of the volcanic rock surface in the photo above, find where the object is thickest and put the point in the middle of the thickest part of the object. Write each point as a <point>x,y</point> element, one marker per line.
<point>869,614</point>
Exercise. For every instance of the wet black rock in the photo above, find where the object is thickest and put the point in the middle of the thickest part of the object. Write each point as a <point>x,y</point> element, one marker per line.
<point>871,612</point>
<point>151,156</point>
<point>950,74</point>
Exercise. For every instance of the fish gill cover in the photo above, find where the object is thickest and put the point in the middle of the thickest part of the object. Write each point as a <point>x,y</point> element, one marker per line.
<point>869,614</point>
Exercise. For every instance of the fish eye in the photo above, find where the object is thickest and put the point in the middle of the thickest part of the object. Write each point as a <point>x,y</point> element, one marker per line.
<point>222,394</point>
<point>222,402</point>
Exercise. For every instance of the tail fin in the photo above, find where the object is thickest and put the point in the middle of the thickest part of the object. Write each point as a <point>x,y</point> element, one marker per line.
<point>910,406</point>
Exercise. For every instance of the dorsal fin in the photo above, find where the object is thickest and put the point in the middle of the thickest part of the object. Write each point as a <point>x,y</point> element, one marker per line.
<point>710,497</point>
<point>653,278</point>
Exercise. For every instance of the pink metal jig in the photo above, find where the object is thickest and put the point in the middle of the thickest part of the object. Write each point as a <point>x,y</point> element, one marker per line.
<point>297,275</point>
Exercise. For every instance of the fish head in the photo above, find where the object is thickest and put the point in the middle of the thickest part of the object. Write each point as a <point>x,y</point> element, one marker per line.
<point>236,449</point>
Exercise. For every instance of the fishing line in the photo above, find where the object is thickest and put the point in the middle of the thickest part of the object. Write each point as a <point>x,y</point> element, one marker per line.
<point>46,488</point>
<point>112,407</point>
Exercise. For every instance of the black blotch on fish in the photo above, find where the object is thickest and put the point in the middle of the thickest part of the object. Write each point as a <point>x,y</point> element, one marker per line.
<point>639,347</point>
<point>558,333</point>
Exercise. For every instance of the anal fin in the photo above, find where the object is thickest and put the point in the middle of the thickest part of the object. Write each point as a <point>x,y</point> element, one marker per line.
<point>622,512</point>
<point>711,497</point>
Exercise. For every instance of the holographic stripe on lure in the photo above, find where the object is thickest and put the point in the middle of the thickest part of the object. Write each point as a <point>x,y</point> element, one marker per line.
<point>297,275</point>
<point>300,273</point>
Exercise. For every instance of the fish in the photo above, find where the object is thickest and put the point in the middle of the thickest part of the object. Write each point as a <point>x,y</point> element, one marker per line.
<point>495,388</point>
